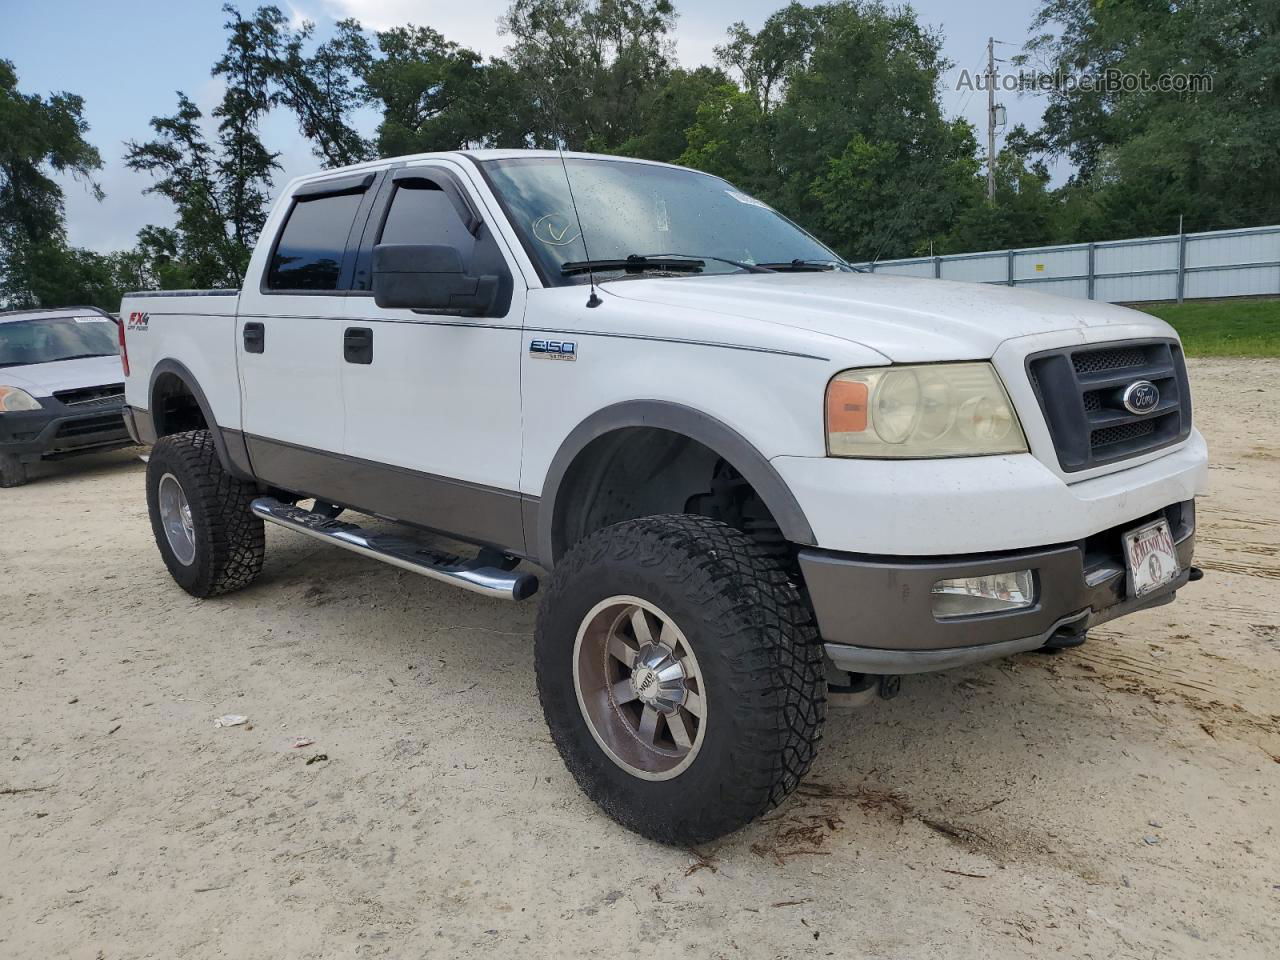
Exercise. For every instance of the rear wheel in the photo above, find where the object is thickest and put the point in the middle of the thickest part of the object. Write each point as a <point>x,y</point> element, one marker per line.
<point>13,472</point>
<point>680,675</point>
<point>209,538</point>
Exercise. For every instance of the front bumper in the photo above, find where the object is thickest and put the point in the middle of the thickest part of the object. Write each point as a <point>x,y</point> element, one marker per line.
<point>875,614</point>
<point>58,430</point>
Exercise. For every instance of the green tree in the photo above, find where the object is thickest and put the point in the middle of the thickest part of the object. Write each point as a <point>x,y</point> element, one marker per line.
<point>323,89</point>
<point>437,95</point>
<point>1143,157</point>
<point>39,137</point>
<point>673,111</point>
<point>592,66</point>
<point>840,126</point>
<point>244,166</point>
<point>732,138</point>
<point>187,172</point>
<point>1023,213</point>
<point>221,191</point>
<point>766,60</point>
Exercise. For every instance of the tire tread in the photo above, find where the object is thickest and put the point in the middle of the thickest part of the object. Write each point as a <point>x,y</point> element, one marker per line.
<point>766,630</point>
<point>237,540</point>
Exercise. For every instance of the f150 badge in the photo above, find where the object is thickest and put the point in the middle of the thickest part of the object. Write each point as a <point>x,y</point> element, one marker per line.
<point>553,350</point>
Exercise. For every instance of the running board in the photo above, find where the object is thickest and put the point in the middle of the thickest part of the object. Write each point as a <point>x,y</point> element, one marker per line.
<point>473,575</point>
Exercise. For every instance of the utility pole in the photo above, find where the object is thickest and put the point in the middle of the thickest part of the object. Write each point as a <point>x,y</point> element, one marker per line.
<point>991,119</point>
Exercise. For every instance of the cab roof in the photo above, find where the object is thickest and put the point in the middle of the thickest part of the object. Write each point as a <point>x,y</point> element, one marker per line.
<point>477,156</point>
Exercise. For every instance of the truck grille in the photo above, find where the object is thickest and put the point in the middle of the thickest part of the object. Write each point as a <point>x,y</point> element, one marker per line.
<point>104,396</point>
<point>1080,390</point>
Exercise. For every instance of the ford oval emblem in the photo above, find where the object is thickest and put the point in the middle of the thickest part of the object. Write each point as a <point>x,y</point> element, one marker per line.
<point>1141,397</point>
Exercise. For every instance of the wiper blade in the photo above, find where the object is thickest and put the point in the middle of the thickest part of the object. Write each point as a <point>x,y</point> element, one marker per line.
<point>634,262</point>
<point>800,266</point>
<point>741,265</point>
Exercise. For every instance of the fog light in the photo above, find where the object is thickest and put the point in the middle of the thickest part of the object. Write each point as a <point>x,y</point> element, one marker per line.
<point>972,596</point>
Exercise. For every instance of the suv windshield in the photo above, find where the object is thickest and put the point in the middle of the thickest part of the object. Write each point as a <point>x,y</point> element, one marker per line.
<point>25,342</point>
<point>644,212</point>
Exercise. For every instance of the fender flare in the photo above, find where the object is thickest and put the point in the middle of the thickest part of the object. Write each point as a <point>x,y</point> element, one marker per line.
<point>234,461</point>
<point>686,421</point>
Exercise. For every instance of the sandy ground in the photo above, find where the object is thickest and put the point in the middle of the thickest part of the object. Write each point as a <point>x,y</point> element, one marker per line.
<point>1119,800</point>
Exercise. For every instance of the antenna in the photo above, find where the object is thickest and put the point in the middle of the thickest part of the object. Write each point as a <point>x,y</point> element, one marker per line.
<point>593,300</point>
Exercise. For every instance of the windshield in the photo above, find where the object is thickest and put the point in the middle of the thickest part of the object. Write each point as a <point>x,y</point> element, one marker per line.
<point>24,342</point>
<point>642,210</point>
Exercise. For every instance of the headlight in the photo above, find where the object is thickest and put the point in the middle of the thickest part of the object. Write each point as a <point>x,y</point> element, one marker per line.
<point>12,400</point>
<point>928,410</point>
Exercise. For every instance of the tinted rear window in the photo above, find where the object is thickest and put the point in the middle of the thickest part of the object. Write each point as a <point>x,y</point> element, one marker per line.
<point>312,244</point>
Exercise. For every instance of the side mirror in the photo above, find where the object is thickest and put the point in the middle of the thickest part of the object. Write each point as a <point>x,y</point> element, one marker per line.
<point>426,277</point>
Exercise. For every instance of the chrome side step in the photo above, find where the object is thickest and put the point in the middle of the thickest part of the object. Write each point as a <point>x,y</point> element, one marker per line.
<point>473,575</point>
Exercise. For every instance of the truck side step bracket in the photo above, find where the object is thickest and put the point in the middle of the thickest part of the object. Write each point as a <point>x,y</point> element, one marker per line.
<point>479,575</point>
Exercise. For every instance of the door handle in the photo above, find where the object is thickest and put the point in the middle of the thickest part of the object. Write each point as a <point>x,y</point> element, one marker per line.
<point>357,345</point>
<point>255,338</point>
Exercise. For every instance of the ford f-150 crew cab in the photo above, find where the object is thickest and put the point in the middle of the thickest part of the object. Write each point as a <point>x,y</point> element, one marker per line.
<point>752,473</point>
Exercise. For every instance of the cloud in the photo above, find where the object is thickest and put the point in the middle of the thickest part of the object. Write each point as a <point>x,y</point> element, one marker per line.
<point>114,223</point>
<point>473,24</point>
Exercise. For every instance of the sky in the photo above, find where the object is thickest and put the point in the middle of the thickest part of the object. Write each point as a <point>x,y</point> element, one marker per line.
<point>128,58</point>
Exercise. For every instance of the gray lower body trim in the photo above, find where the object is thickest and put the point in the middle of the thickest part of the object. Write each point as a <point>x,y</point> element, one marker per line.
<point>140,424</point>
<point>238,464</point>
<point>876,613</point>
<point>871,660</point>
<point>230,444</point>
<point>856,659</point>
<point>471,512</point>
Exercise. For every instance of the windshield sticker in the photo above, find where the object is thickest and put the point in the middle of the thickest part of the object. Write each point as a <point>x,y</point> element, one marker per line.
<point>749,201</point>
<point>662,219</point>
<point>92,320</point>
<point>555,229</point>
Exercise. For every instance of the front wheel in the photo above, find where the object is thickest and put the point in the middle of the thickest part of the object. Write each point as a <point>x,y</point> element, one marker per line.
<point>680,675</point>
<point>209,539</point>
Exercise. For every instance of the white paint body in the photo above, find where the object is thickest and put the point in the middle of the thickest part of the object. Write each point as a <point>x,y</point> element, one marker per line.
<point>754,351</point>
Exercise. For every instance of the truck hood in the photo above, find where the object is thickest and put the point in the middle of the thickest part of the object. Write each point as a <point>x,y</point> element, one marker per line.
<point>44,379</point>
<point>907,319</point>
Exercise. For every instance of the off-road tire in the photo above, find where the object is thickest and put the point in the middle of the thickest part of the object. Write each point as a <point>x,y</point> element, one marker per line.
<point>759,656</point>
<point>229,539</point>
<point>13,472</point>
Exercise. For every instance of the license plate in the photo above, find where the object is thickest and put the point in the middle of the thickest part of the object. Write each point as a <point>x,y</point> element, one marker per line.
<point>1151,556</point>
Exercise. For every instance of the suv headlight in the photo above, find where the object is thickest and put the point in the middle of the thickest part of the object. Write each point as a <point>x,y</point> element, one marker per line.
<point>926,410</point>
<point>13,399</point>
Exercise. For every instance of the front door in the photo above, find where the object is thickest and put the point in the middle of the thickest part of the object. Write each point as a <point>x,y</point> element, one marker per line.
<point>432,400</point>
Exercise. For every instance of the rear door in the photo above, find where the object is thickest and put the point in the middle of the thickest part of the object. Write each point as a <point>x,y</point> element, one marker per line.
<point>289,333</point>
<point>433,399</point>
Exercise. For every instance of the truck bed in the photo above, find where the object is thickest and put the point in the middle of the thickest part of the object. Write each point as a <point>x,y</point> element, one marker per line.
<point>196,326</point>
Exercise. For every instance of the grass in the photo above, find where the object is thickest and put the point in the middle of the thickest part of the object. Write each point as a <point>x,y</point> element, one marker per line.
<point>1224,328</point>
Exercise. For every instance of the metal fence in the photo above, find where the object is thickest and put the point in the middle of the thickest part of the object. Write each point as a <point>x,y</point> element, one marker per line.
<point>1220,263</point>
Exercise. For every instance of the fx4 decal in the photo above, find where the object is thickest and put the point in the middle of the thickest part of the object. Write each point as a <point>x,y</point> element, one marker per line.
<point>138,321</point>
<point>553,349</point>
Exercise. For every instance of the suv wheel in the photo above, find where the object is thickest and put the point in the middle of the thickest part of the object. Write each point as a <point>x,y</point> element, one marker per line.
<point>209,539</point>
<point>681,676</point>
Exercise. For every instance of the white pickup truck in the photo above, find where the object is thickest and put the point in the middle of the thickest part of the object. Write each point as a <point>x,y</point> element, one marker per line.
<point>754,474</point>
